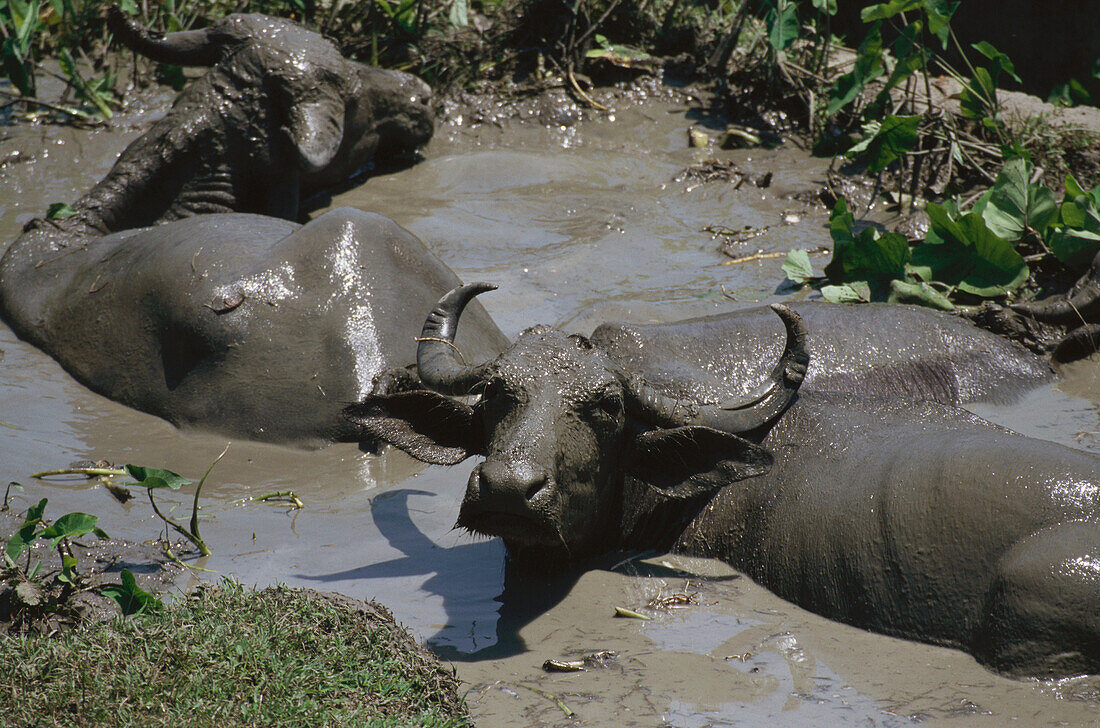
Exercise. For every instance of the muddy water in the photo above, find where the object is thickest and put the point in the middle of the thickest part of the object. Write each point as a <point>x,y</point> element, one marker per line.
<point>577,225</point>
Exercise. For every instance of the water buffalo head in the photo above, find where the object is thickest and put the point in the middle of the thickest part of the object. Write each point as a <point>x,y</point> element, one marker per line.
<point>335,112</point>
<point>563,427</point>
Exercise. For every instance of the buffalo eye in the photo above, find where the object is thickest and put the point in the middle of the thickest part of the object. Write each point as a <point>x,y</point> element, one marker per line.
<point>611,405</point>
<point>493,392</point>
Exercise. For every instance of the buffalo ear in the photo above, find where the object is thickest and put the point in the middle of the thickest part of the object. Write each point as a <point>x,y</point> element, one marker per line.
<point>430,427</point>
<point>316,129</point>
<point>684,462</point>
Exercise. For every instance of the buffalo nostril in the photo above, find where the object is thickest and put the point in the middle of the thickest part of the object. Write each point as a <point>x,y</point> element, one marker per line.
<point>536,485</point>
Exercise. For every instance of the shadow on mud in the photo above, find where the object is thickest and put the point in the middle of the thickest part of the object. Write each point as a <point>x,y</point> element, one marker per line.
<point>527,592</point>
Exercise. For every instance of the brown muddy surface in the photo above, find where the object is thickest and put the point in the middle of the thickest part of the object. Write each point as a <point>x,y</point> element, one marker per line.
<point>577,223</point>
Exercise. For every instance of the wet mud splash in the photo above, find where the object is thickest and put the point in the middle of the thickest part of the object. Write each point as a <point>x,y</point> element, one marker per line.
<point>578,223</point>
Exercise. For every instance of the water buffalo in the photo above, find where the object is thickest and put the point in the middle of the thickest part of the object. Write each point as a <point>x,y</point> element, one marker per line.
<point>184,286</point>
<point>903,516</point>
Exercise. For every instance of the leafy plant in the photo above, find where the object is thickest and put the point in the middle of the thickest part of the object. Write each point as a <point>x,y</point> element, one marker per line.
<point>129,597</point>
<point>972,253</point>
<point>155,479</point>
<point>31,592</point>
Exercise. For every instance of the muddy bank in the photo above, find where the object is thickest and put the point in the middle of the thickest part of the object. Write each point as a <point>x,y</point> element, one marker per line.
<point>578,223</point>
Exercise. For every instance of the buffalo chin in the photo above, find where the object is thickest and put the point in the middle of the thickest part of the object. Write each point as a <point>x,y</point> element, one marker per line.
<point>516,531</point>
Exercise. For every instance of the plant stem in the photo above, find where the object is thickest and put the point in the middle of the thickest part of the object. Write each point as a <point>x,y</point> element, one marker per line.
<point>79,471</point>
<point>193,538</point>
<point>195,504</point>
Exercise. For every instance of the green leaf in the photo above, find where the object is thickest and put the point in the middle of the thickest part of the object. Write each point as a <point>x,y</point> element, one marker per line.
<point>782,22</point>
<point>1076,248</point>
<point>129,597</point>
<point>1014,204</point>
<point>797,267</point>
<point>68,569</point>
<point>884,11</point>
<point>59,211</point>
<point>978,98</point>
<point>868,66</point>
<point>1073,187</point>
<point>156,478</point>
<point>868,256</point>
<point>895,136</point>
<point>965,253</point>
<point>70,525</point>
<point>21,539</point>
<point>854,292</point>
<point>919,293</point>
<point>825,6</point>
<point>1070,93</point>
<point>1000,60</point>
<point>940,13</point>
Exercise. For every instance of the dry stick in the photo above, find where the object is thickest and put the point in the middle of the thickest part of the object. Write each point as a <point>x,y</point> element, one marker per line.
<point>587,99</point>
<point>756,256</point>
<point>539,691</point>
<point>79,471</point>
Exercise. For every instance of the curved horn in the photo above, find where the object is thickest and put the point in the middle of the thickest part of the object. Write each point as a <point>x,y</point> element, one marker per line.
<point>755,410</point>
<point>184,48</point>
<point>1079,343</point>
<point>437,359</point>
<point>1082,305</point>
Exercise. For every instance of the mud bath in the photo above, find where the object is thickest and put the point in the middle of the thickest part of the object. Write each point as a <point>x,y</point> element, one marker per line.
<point>577,224</point>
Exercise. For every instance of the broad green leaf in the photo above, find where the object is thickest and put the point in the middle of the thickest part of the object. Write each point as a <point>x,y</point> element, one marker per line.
<point>68,566</point>
<point>825,6</point>
<point>59,211</point>
<point>868,67</point>
<point>1014,204</point>
<point>1073,187</point>
<point>70,525</point>
<point>978,98</point>
<point>903,69</point>
<point>1000,60</point>
<point>782,23</point>
<point>797,267</point>
<point>854,292</point>
<point>129,597</point>
<point>884,11</point>
<point>965,253</point>
<point>919,293</point>
<point>939,18</point>
<point>156,478</point>
<point>1076,248</point>
<point>22,538</point>
<point>620,55</point>
<point>17,544</point>
<point>869,256</point>
<point>35,512</point>
<point>892,139</point>
<point>841,223</point>
<point>1070,93</point>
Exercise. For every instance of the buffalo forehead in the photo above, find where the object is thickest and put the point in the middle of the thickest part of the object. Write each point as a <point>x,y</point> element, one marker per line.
<point>697,359</point>
<point>544,358</point>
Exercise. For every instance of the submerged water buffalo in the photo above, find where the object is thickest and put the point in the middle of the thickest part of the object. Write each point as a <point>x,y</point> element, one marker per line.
<point>904,516</point>
<point>1078,310</point>
<point>183,285</point>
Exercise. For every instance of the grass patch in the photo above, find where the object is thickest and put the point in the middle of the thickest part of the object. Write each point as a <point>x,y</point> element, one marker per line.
<point>227,657</point>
